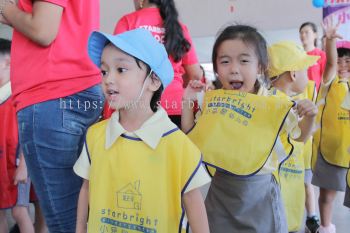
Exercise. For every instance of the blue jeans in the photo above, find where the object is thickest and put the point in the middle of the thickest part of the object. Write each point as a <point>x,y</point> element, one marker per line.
<point>52,134</point>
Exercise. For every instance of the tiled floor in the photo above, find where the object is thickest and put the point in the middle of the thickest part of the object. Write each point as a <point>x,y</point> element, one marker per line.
<point>341,214</point>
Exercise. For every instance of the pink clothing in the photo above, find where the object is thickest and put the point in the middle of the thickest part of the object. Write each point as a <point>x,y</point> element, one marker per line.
<point>315,72</point>
<point>150,19</point>
<point>63,68</point>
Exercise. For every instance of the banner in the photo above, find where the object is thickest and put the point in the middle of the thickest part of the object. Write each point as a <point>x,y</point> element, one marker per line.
<point>335,11</point>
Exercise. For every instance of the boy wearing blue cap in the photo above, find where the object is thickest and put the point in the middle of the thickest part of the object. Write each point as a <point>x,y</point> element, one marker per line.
<point>141,173</point>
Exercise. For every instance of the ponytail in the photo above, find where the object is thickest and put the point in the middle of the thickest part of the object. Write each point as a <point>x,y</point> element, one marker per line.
<point>175,43</point>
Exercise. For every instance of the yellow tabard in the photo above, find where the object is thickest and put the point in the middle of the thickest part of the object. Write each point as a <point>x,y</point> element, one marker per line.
<point>348,178</point>
<point>291,177</point>
<point>134,188</point>
<point>332,139</point>
<point>311,94</point>
<point>237,131</point>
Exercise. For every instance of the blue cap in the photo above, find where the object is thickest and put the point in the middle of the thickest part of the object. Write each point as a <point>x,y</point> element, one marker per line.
<point>139,43</point>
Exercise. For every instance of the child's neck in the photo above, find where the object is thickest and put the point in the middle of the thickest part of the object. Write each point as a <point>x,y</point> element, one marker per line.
<point>133,119</point>
<point>283,85</point>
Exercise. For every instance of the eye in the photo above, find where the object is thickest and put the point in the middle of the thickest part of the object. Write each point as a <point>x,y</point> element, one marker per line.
<point>104,73</point>
<point>224,62</point>
<point>244,61</point>
<point>121,70</point>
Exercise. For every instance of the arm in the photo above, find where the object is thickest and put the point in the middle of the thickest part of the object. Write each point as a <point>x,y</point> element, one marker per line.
<point>193,72</point>
<point>190,95</point>
<point>308,111</point>
<point>40,26</point>
<point>21,174</point>
<point>83,208</point>
<point>331,52</point>
<point>195,210</point>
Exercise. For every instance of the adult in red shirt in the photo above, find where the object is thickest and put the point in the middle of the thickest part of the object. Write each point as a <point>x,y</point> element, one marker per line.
<point>161,19</point>
<point>57,96</point>
<point>308,37</point>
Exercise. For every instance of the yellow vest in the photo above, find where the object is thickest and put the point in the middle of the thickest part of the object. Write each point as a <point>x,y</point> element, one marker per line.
<point>332,139</point>
<point>311,94</point>
<point>237,131</point>
<point>134,188</point>
<point>291,176</point>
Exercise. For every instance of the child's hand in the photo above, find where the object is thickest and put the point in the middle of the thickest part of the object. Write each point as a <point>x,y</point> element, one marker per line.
<point>330,30</point>
<point>193,87</point>
<point>306,108</point>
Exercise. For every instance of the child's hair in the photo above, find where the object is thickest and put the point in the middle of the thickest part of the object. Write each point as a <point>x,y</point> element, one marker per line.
<point>343,52</point>
<point>5,46</point>
<point>175,43</point>
<point>250,36</point>
<point>313,28</point>
<point>202,69</point>
<point>154,104</point>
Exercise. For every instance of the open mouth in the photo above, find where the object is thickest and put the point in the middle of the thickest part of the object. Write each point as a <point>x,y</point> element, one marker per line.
<point>236,85</point>
<point>112,94</point>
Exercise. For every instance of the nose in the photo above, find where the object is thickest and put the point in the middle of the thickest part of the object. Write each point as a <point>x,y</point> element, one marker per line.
<point>108,79</point>
<point>234,68</point>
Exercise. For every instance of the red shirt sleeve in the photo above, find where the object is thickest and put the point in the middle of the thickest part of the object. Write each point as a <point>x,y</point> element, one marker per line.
<point>122,26</point>
<point>190,57</point>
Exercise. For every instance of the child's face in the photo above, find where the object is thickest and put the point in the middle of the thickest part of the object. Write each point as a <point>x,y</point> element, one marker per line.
<point>344,67</point>
<point>122,77</point>
<point>237,66</point>
<point>300,81</point>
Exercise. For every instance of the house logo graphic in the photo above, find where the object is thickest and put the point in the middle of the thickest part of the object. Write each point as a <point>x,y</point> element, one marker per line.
<point>130,197</point>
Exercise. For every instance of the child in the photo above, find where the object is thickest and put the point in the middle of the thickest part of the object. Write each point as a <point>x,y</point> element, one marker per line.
<point>288,73</point>
<point>237,132</point>
<point>331,140</point>
<point>141,173</point>
<point>14,188</point>
<point>312,221</point>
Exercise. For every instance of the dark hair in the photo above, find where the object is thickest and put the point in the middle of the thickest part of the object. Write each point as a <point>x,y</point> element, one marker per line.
<point>343,52</point>
<point>202,69</point>
<point>157,94</point>
<point>249,35</point>
<point>5,46</point>
<point>175,43</point>
<point>313,28</point>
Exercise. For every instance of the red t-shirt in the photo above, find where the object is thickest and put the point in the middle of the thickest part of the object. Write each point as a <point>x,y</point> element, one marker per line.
<point>63,68</point>
<point>315,72</point>
<point>150,19</point>
<point>8,150</point>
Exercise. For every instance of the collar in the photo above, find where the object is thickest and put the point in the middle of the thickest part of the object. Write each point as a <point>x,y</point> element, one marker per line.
<point>151,131</point>
<point>5,92</point>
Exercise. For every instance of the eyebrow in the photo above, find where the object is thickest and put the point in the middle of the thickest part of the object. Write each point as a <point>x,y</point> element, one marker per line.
<point>240,55</point>
<point>122,60</point>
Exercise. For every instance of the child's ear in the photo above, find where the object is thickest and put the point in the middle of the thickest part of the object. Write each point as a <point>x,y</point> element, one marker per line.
<point>155,83</point>
<point>292,75</point>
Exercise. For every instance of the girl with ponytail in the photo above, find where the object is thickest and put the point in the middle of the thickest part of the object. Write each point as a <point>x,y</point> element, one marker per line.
<point>160,17</point>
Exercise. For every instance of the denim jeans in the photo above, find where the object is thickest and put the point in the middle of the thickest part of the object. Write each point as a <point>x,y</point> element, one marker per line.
<point>52,134</point>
